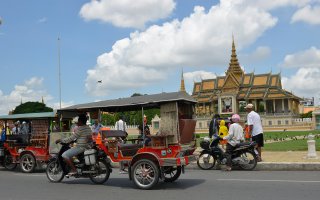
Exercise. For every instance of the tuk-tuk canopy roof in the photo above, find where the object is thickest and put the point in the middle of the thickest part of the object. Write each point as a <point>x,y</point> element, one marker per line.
<point>28,116</point>
<point>133,103</point>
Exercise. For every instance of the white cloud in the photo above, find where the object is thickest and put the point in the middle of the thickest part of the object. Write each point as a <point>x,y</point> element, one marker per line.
<point>201,39</point>
<point>31,90</point>
<point>42,20</point>
<point>196,76</point>
<point>261,53</point>
<point>305,83</point>
<point>271,5</point>
<point>127,13</point>
<point>56,105</point>
<point>307,58</point>
<point>307,14</point>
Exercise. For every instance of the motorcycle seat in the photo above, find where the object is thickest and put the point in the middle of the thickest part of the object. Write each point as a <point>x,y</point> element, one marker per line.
<point>243,144</point>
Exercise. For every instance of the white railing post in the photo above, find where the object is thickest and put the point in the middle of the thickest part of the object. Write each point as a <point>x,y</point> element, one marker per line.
<point>312,154</point>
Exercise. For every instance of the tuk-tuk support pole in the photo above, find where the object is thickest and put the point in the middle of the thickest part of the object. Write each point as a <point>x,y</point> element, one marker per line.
<point>177,117</point>
<point>143,135</point>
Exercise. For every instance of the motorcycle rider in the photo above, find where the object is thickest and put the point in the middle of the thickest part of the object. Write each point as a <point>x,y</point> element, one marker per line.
<point>234,137</point>
<point>82,135</point>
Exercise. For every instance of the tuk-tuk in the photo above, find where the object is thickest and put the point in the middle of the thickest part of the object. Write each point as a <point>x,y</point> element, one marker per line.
<point>26,140</point>
<point>170,148</point>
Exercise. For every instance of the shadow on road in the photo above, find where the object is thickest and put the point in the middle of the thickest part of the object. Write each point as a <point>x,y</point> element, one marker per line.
<point>127,184</point>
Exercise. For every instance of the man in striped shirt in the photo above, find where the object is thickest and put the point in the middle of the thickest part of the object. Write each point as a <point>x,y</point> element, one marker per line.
<point>82,136</point>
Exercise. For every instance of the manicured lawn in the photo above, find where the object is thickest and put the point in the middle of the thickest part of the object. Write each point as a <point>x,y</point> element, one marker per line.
<point>293,145</point>
<point>288,134</point>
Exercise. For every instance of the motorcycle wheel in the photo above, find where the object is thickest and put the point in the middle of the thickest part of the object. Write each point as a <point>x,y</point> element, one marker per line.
<point>8,162</point>
<point>145,174</point>
<point>171,173</point>
<point>103,172</point>
<point>251,160</point>
<point>206,161</point>
<point>54,171</point>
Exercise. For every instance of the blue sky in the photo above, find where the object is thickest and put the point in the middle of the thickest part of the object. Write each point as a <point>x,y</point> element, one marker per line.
<point>141,46</point>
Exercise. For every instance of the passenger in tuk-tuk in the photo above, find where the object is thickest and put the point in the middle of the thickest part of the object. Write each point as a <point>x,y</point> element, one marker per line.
<point>145,127</point>
<point>16,129</point>
<point>24,128</point>
<point>82,136</point>
<point>3,135</point>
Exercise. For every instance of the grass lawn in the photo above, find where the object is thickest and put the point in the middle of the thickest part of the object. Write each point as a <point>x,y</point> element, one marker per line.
<point>288,134</point>
<point>293,145</point>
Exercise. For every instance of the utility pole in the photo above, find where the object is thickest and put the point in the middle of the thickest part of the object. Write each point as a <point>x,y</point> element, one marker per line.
<point>59,68</point>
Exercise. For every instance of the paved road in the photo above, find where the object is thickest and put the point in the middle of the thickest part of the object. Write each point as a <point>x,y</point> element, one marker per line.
<point>193,185</point>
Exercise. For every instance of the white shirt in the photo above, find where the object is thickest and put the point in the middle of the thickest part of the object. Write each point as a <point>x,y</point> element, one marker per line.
<point>235,135</point>
<point>15,130</point>
<point>120,125</point>
<point>253,118</point>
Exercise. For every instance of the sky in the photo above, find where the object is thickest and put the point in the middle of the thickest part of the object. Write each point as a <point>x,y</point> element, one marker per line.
<point>109,49</point>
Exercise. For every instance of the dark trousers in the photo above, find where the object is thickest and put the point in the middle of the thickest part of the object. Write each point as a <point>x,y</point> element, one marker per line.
<point>229,151</point>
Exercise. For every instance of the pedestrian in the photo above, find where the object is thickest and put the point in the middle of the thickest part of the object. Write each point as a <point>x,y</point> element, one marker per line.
<point>214,126</point>
<point>121,125</point>
<point>247,135</point>
<point>255,128</point>
<point>234,137</point>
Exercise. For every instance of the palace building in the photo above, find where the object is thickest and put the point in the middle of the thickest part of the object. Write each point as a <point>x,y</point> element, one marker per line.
<point>231,93</point>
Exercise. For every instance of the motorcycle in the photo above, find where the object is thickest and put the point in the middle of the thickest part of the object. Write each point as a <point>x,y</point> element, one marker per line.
<point>90,164</point>
<point>243,156</point>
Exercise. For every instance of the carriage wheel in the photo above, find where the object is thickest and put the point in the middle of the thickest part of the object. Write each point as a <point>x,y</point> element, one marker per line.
<point>145,174</point>
<point>27,163</point>
<point>171,173</point>
<point>8,162</point>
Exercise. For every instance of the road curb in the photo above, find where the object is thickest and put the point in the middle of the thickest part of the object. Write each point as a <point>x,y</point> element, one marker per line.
<point>279,166</point>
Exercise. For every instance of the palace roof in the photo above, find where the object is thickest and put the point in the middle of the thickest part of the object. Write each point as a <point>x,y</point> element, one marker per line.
<point>245,86</point>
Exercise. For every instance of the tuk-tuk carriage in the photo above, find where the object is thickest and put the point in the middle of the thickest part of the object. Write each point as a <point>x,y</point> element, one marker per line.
<point>170,149</point>
<point>29,146</point>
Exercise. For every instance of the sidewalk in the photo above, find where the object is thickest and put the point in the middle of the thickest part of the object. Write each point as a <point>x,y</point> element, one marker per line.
<point>281,160</point>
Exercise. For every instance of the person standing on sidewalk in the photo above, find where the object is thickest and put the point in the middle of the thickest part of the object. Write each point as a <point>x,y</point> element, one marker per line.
<point>214,126</point>
<point>121,126</point>
<point>255,128</point>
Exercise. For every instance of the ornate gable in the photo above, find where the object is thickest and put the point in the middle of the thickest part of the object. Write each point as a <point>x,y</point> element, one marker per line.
<point>208,84</point>
<point>196,88</point>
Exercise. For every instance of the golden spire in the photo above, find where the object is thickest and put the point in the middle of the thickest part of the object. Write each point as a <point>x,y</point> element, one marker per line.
<point>234,66</point>
<point>182,87</point>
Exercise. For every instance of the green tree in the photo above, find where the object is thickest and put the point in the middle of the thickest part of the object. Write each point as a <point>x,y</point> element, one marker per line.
<point>131,117</point>
<point>306,115</point>
<point>31,107</point>
<point>136,94</point>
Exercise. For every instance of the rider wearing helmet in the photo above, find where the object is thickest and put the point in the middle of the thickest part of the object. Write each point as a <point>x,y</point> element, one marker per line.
<point>234,137</point>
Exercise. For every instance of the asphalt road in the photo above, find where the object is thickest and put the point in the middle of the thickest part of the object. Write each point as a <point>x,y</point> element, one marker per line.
<point>193,185</point>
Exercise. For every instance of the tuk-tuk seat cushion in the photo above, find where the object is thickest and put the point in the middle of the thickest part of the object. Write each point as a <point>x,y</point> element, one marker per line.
<point>129,149</point>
